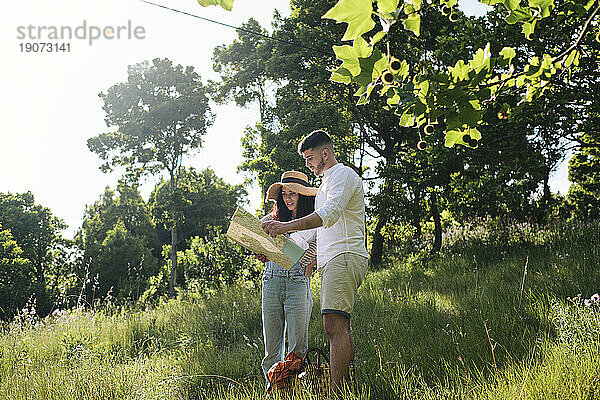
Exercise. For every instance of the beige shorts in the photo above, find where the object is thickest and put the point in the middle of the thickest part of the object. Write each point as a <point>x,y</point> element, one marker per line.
<point>340,280</point>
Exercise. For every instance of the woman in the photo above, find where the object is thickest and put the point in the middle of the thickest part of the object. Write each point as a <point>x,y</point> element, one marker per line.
<point>286,296</point>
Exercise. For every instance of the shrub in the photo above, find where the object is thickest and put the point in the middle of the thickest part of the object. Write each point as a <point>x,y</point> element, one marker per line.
<point>216,261</point>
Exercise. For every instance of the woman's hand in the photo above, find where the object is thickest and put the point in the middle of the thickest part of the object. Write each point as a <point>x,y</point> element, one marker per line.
<point>260,257</point>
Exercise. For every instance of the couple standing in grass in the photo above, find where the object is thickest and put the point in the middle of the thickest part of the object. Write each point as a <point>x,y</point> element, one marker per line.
<point>328,222</point>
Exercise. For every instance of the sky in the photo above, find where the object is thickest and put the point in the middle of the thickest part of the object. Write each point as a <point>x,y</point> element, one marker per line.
<point>50,107</point>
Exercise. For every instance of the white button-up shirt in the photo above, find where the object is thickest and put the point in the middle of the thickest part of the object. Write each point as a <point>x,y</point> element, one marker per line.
<point>340,203</point>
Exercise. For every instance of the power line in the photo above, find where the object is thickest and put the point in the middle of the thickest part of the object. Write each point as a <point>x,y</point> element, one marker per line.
<point>237,28</point>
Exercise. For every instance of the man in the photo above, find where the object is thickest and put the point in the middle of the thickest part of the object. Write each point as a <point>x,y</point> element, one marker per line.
<point>341,253</point>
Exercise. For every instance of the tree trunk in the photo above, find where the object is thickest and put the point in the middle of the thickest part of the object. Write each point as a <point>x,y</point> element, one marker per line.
<point>437,223</point>
<point>545,200</point>
<point>39,268</point>
<point>173,278</point>
<point>377,245</point>
<point>417,216</point>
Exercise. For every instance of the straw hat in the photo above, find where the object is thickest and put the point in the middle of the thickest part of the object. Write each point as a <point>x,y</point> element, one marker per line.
<point>294,181</point>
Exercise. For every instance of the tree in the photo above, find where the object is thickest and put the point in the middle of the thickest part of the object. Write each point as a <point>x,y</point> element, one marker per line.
<point>16,275</point>
<point>36,231</point>
<point>125,205</point>
<point>459,91</point>
<point>253,68</point>
<point>584,172</point>
<point>523,142</point>
<point>305,99</point>
<point>122,216</point>
<point>248,54</point>
<point>205,203</point>
<point>214,261</point>
<point>159,115</point>
<point>124,265</point>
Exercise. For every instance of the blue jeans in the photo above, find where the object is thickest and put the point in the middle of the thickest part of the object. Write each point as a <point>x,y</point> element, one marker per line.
<point>286,307</point>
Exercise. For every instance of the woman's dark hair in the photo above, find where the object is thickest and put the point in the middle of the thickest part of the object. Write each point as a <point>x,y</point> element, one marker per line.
<point>306,205</point>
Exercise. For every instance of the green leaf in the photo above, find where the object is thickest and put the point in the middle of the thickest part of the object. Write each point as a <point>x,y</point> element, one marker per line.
<point>468,114</point>
<point>452,137</point>
<point>378,36</point>
<point>545,7</point>
<point>349,55</point>
<point>361,47</point>
<point>364,98</point>
<point>424,88</point>
<point>481,59</point>
<point>341,75</point>
<point>226,4</point>
<point>508,53</point>
<point>528,28</point>
<point>460,71</point>
<point>453,121</point>
<point>571,58</point>
<point>371,68</point>
<point>349,59</point>
<point>419,111</point>
<point>474,133</point>
<point>406,119</point>
<point>475,104</point>
<point>455,136</point>
<point>404,70</point>
<point>380,66</point>
<point>413,23</point>
<point>518,14</point>
<point>394,99</point>
<point>387,6</point>
<point>589,5</point>
<point>417,4</point>
<point>356,13</point>
<point>511,4</point>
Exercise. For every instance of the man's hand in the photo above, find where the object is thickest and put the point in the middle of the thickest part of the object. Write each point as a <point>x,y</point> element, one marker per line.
<point>274,228</point>
<point>309,269</point>
<point>260,257</point>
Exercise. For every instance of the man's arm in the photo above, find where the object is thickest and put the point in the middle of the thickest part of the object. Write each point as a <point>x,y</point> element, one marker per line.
<point>275,228</point>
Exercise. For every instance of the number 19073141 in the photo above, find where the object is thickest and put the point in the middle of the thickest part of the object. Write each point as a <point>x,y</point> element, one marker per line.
<point>43,47</point>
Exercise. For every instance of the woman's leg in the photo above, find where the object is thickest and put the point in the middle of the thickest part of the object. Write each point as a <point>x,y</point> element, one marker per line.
<point>297,314</point>
<point>273,321</point>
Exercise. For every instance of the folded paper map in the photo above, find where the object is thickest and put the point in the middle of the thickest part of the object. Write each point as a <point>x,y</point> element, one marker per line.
<point>247,230</point>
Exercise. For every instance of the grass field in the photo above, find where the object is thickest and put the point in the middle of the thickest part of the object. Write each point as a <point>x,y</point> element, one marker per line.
<point>496,315</point>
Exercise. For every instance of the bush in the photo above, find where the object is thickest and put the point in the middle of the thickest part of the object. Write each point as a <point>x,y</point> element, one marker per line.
<point>216,261</point>
<point>125,262</point>
<point>209,263</point>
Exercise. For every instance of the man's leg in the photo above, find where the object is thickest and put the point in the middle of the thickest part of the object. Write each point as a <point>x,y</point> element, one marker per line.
<point>341,347</point>
<point>340,279</point>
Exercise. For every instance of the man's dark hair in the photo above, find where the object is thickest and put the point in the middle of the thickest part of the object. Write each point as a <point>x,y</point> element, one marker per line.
<point>313,140</point>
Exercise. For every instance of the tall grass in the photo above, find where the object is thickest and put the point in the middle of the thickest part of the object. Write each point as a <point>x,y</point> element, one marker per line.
<point>489,318</point>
